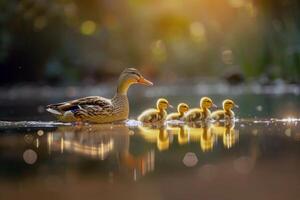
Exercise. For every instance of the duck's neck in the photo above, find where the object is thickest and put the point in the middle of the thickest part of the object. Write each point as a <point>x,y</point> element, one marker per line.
<point>123,86</point>
<point>121,106</point>
<point>120,100</point>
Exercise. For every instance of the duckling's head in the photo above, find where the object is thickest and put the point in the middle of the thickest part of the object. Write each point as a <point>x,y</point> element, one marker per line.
<point>206,103</point>
<point>182,108</point>
<point>228,104</point>
<point>162,104</point>
<point>131,76</point>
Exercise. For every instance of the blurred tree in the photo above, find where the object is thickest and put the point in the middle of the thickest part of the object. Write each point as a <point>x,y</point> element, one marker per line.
<point>67,41</point>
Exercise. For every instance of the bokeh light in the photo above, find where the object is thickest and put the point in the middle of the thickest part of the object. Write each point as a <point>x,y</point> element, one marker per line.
<point>30,156</point>
<point>88,27</point>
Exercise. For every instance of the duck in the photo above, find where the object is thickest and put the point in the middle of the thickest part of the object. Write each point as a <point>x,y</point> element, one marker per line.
<point>97,109</point>
<point>226,113</point>
<point>181,109</point>
<point>202,113</point>
<point>155,115</point>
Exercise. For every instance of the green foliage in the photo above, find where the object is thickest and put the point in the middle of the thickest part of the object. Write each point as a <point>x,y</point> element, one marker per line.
<point>84,40</point>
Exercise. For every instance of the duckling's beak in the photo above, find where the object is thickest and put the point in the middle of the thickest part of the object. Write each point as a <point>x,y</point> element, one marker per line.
<point>214,106</point>
<point>144,81</point>
<point>170,106</point>
<point>237,106</point>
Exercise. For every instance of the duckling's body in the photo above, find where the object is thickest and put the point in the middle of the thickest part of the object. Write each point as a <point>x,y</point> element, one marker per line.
<point>181,109</point>
<point>96,109</point>
<point>222,115</point>
<point>202,113</point>
<point>226,113</point>
<point>157,115</point>
<point>197,114</point>
<point>153,115</point>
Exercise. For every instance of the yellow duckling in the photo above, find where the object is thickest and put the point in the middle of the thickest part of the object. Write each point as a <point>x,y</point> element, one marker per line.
<point>155,115</point>
<point>181,109</point>
<point>226,113</point>
<point>98,109</point>
<point>202,113</point>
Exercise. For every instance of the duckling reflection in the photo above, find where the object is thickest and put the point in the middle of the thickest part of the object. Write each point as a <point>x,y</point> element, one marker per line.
<point>156,134</point>
<point>180,131</point>
<point>201,132</point>
<point>204,133</point>
<point>227,132</point>
<point>102,142</point>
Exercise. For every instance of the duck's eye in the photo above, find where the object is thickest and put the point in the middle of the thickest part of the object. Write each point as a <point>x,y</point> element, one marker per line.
<point>137,74</point>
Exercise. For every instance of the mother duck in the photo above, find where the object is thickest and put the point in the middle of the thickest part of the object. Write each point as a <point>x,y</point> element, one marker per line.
<point>96,109</point>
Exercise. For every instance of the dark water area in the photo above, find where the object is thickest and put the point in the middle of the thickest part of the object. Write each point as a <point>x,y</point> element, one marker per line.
<point>256,157</point>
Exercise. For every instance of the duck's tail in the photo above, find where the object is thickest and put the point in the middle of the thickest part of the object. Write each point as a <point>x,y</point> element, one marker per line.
<point>54,109</point>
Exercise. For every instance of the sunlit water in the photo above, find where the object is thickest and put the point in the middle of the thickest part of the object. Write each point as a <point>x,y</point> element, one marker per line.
<point>256,157</point>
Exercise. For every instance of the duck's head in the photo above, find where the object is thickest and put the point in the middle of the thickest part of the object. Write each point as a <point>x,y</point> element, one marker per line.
<point>131,76</point>
<point>206,103</point>
<point>162,104</point>
<point>182,108</point>
<point>228,104</point>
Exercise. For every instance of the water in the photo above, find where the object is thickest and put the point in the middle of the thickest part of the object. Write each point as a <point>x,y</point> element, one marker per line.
<point>257,157</point>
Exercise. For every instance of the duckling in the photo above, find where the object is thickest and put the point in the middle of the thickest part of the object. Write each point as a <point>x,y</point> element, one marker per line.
<point>181,109</point>
<point>226,113</point>
<point>96,109</point>
<point>157,115</point>
<point>202,113</point>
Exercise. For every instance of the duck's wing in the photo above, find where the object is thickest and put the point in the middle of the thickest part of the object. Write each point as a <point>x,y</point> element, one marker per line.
<point>93,105</point>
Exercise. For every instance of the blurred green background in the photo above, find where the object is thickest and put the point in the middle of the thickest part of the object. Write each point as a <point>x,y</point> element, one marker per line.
<point>84,42</point>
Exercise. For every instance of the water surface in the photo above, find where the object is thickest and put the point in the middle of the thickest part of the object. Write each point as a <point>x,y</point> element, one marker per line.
<point>257,157</point>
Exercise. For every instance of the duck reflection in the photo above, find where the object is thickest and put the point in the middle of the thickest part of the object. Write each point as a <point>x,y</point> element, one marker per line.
<point>97,141</point>
<point>102,142</point>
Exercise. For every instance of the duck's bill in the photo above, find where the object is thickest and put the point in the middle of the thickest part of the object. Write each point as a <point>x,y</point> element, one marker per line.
<point>170,106</point>
<point>144,81</point>
<point>214,105</point>
<point>237,106</point>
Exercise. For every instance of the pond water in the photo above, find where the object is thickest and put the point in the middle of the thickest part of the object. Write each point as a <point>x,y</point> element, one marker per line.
<point>255,157</point>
